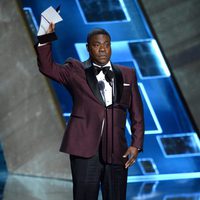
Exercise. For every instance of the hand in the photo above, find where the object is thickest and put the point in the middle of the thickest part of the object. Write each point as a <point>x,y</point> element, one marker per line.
<point>51,28</point>
<point>133,153</point>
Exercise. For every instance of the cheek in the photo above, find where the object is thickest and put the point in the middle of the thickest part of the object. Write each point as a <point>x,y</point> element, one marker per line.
<point>94,52</point>
<point>109,50</point>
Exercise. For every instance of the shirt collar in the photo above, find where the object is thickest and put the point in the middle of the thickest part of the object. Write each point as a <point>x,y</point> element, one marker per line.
<point>106,65</point>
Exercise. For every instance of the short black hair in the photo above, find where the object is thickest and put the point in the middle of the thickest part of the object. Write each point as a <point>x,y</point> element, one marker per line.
<point>97,31</point>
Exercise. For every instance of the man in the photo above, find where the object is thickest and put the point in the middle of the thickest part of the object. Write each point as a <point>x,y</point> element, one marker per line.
<point>102,94</point>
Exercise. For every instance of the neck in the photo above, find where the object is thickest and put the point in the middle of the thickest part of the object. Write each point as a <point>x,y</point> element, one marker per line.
<point>102,65</point>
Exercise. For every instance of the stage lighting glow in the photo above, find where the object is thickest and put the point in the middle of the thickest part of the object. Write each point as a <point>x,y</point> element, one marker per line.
<point>160,177</point>
<point>31,20</point>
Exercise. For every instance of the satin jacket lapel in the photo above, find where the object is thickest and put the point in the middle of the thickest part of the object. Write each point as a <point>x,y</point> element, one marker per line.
<point>93,83</point>
<point>118,83</point>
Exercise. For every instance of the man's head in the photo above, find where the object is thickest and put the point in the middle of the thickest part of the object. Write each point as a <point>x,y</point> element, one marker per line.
<point>98,46</point>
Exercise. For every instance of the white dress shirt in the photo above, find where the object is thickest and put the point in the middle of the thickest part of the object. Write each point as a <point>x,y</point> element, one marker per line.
<point>105,88</point>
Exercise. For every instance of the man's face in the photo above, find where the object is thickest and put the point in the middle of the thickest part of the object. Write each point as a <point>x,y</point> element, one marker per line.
<point>99,49</point>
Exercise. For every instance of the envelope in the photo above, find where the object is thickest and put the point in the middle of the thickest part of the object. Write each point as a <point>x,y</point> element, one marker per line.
<point>48,16</point>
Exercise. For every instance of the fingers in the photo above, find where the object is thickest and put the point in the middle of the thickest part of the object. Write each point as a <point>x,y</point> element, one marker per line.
<point>51,28</point>
<point>133,153</point>
<point>130,162</point>
<point>126,154</point>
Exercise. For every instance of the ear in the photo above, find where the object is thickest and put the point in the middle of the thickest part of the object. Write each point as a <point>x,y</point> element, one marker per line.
<point>87,46</point>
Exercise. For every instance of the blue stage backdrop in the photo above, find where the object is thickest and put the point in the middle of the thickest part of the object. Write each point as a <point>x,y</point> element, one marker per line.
<point>172,147</point>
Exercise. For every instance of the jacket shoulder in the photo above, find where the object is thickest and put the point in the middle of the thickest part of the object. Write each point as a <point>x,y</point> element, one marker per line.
<point>72,61</point>
<point>125,69</point>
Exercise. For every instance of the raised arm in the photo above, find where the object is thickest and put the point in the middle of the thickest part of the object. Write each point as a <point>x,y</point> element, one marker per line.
<point>46,64</point>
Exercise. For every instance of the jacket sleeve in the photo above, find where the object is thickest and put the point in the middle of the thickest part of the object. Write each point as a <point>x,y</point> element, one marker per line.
<point>57,72</point>
<point>136,115</point>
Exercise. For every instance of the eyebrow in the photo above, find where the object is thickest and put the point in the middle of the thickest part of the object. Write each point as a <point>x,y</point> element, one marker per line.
<point>102,42</point>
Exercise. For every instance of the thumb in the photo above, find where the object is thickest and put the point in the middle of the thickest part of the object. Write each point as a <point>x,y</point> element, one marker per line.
<point>126,154</point>
<point>51,28</point>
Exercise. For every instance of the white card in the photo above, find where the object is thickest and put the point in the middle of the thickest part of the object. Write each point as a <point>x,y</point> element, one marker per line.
<point>51,15</point>
<point>48,16</point>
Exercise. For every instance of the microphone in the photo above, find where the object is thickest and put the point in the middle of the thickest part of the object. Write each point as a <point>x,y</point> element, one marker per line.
<point>101,88</point>
<point>109,76</point>
<point>101,85</point>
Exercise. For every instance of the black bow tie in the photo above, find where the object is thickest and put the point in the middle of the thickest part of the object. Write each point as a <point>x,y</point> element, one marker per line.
<point>97,70</point>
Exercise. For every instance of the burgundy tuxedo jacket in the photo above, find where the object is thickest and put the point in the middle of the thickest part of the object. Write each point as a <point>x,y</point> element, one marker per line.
<point>84,129</point>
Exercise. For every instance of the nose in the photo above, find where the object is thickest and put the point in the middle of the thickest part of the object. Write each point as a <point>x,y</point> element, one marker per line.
<point>102,48</point>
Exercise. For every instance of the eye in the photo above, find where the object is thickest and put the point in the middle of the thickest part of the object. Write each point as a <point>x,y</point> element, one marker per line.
<point>107,44</point>
<point>96,45</point>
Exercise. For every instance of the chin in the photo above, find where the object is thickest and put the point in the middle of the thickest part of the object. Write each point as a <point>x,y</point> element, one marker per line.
<point>103,62</point>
